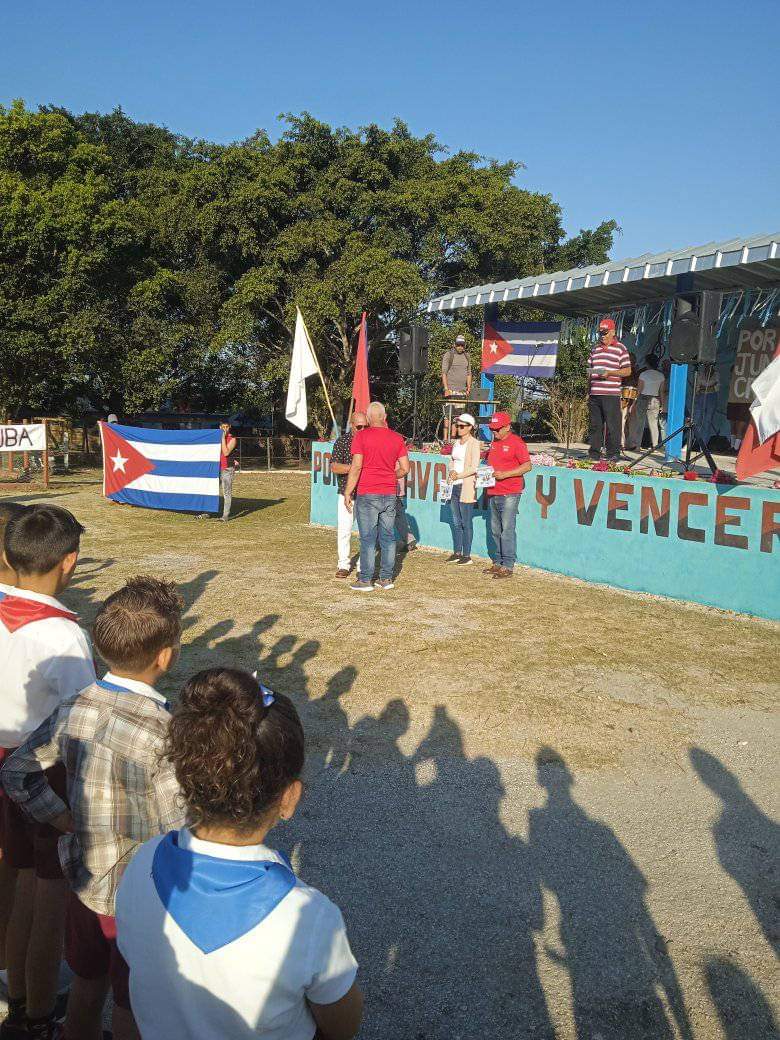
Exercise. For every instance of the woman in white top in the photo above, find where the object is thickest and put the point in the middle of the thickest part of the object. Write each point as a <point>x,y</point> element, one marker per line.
<point>463,472</point>
<point>222,939</point>
<point>647,407</point>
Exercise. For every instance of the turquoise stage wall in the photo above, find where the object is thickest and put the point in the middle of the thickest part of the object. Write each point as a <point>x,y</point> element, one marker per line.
<point>714,544</point>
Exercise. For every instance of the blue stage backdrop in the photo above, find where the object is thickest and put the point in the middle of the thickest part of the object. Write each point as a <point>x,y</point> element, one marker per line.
<point>712,544</point>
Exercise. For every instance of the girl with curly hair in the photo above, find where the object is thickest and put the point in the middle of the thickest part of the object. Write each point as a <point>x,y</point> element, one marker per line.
<point>222,939</point>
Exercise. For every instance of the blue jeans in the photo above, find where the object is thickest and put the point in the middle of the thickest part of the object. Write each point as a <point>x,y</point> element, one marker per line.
<point>503,514</point>
<point>376,513</point>
<point>462,523</point>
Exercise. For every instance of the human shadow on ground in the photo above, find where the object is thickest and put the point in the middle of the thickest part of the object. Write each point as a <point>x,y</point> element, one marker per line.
<point>747,842</point>
<point>440,899</point>
<point>247,506</point>
<point>622,977</point>
<point>742,1008</point>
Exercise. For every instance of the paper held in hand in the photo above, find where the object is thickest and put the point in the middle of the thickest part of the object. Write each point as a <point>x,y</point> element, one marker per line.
<point>445,491</point>
<point>485,478</point>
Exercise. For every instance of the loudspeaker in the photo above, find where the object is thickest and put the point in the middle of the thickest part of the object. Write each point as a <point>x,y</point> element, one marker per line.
<point>413,351</point>
<point>405,353</point>
<point>419,350</point>
<point>692,338</point>
<point>709,315</point>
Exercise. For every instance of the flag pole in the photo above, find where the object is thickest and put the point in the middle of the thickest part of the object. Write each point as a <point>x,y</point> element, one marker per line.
<point>317,363</point>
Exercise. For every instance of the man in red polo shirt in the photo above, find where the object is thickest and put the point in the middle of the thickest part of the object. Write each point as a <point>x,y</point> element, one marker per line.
<point>509,459</point>
<point>379,460</point>
<point>608,365</point>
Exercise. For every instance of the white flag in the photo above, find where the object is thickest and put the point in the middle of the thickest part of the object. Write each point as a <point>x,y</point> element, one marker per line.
<point>302,365</point>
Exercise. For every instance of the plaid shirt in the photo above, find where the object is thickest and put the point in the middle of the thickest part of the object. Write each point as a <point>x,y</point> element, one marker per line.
<point>120,792</point>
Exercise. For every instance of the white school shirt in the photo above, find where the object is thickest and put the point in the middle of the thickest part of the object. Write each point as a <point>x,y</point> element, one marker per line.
<point>254,986</point>
<point>458,459</point>
<point>41,664</point>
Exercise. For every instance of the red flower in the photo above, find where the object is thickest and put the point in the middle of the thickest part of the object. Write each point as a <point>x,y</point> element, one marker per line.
<point>689,474</point>
<point>602,466</point>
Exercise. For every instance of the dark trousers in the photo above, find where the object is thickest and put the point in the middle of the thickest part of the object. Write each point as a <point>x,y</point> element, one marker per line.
<point>604,410</point>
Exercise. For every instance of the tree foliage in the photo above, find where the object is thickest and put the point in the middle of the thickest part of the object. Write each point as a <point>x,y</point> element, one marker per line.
<point>139,267</point>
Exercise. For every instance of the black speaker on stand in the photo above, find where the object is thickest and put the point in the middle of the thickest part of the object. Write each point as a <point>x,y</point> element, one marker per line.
<point>693,340</point>
<point>413,360</point>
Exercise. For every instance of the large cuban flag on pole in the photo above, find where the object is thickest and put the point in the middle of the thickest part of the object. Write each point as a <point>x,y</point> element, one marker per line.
<point>521,348</point>
<point>162,469</point>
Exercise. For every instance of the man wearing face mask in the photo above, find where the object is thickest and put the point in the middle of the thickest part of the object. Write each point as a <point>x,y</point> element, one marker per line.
<point>341,460</point>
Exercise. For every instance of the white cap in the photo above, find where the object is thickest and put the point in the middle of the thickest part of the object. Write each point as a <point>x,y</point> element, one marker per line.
<point>460,339</point>
<point>466,417</point>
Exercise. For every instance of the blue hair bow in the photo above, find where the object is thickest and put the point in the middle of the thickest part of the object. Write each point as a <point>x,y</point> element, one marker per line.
<point>268,695</point>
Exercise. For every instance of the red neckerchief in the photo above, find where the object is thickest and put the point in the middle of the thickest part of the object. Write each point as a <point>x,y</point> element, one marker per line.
<point>16,611</point>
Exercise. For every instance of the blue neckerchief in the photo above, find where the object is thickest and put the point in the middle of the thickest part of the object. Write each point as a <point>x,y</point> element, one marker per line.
<point>113,688</point>
<point>216,901</point>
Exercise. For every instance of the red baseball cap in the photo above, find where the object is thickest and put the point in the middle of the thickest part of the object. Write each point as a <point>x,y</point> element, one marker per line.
<point>606,323</point>
<point>500,420</point>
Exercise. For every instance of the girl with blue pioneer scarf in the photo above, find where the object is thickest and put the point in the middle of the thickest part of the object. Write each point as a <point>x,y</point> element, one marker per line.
<point>222,939</point>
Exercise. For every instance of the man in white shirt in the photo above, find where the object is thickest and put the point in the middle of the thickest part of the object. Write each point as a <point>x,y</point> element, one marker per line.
<point>46,657</point>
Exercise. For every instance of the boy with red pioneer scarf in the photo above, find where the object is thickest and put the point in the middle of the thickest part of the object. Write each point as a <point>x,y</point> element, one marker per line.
<point>46,657</point>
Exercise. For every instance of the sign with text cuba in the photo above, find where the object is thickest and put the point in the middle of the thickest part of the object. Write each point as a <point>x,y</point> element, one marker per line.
<point>161,469</point>
<point>23,437</point>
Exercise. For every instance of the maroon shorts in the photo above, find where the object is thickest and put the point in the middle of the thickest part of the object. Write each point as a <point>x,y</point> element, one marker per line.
<point>91,951</point>
<point>25,844</point>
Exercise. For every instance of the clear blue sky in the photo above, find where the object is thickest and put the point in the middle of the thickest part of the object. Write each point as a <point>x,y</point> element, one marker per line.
<point>660,114</point>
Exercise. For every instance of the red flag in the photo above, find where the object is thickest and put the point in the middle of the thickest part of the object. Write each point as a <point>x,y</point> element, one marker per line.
<point>755,458</point>
<point>122,463</point>
<point>360,391</point>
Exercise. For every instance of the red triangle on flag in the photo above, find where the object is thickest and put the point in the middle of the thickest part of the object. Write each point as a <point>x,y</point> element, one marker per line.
<point>494,347</point>
<point>122,463</point>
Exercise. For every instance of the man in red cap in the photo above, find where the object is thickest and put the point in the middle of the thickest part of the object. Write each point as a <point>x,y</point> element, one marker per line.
<point>608,365</point>
<point>509,459</point>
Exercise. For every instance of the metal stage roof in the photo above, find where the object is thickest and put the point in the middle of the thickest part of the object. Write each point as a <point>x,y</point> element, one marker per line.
<point>741,263</point>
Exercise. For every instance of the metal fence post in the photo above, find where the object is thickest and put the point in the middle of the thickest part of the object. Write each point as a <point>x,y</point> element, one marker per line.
<point>268,452</point>
<point>45,453</point>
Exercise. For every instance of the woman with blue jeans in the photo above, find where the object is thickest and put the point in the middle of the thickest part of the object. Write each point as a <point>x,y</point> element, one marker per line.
<point>465,462</point>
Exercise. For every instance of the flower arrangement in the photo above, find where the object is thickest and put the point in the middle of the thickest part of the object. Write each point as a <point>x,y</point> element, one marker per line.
<point>544,459</point>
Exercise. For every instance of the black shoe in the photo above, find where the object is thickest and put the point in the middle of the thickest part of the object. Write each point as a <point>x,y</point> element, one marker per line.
<point>454,558</point>
<point>464,561</point>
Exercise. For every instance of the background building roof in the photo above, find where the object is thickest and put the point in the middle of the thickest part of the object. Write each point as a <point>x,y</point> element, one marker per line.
<point>740,263</point>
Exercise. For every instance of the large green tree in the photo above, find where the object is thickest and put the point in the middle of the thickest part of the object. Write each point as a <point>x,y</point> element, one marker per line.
<point>138,267</point>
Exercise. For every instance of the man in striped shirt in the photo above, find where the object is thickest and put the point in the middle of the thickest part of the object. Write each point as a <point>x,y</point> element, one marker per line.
<point>608,365</point>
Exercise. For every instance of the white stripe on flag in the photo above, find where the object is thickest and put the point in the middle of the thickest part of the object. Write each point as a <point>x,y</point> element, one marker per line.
<point>178,452</point>
<point>531,341</point>
<point>175,485</point>
<point>529,361</point>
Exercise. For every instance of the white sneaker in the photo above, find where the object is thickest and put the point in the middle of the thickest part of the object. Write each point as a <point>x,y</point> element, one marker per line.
<point>385,584</point>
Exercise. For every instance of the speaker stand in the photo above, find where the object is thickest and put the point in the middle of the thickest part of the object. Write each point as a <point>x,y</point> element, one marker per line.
<point>692,430</point>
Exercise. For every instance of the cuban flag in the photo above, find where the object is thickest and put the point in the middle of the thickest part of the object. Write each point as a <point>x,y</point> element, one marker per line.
<point>521,348</point>
<point>162,469</point>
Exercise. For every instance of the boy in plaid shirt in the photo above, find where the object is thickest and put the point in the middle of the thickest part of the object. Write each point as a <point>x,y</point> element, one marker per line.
<point>120,792</point>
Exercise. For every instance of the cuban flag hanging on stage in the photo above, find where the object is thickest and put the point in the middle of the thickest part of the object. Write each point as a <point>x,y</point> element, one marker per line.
<point>162,469</point>
<point>521,348</point>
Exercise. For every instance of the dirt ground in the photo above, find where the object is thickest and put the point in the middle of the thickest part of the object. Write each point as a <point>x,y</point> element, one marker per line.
<point>546,808</point>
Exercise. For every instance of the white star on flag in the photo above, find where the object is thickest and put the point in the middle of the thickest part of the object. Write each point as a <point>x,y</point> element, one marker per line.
<point>119,461</point>
<point>494,348</point>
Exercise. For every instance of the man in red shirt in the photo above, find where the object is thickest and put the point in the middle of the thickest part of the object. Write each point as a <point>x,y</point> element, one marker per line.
<point>509,459</point>
<point>609,365</point>
<point>379,459</point>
